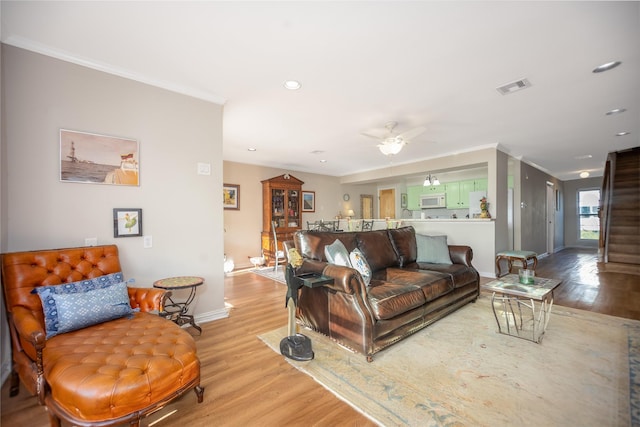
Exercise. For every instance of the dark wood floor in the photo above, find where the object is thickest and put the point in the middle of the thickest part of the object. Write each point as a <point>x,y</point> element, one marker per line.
<point>248,384</point>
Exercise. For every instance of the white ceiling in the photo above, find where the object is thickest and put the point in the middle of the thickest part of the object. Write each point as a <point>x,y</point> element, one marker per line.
<point>361,64</point>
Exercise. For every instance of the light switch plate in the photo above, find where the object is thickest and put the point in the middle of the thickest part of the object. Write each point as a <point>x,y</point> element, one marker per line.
<point>91,241</point>
<point>147,241</point>
<point>204,168</point>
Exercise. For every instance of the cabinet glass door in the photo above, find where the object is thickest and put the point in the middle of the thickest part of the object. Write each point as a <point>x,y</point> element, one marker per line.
<point>277,206</point>
<point>293,205</point>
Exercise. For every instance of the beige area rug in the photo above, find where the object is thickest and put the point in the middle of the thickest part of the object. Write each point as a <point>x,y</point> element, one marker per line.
<point>461,372</point>
<point>277,275</point>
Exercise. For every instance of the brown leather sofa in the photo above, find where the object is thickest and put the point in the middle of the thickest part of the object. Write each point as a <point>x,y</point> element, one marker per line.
<point>110,373</point>
<point>403,297</point>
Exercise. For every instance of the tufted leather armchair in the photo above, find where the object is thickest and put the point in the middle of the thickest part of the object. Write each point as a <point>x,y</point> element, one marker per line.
<point>106,374</point>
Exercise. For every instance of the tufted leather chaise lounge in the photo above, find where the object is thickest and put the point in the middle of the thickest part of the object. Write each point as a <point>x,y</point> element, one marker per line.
<point>110,373</point>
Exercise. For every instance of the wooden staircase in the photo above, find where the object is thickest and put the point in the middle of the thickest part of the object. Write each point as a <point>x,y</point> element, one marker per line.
<point>619,245</point>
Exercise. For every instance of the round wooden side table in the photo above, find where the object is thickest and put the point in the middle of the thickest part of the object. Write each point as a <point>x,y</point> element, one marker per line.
<point>178,311</point>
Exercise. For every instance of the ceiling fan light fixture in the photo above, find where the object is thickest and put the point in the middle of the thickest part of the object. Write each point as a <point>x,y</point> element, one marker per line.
<point>390,148</point>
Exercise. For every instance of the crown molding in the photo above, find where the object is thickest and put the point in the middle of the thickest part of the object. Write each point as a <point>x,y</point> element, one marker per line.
<point>62,55</point>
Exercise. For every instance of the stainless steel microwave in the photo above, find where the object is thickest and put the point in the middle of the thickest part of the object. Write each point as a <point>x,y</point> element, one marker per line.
<point>431,201</point>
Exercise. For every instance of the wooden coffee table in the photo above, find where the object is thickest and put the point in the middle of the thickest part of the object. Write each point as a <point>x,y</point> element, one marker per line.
<point>509,299</point>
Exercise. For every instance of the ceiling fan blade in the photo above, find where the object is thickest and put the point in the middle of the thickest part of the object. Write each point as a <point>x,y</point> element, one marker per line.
<point>376,137</point>
<point>410,134</point>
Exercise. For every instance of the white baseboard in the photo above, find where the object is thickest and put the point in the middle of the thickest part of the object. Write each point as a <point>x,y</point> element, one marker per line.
<point>212,315</point>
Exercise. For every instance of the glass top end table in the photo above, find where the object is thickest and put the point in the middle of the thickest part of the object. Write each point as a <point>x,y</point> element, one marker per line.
<point>178,311</point>
<point>509,299</point>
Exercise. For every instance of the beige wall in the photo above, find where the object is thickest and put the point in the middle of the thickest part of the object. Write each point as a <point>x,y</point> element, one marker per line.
<point>532,207</point>
<point>40,95</point>
<point>243,227</point>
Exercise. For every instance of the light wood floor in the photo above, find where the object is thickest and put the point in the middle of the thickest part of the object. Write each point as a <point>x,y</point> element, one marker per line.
<point>248,384</point>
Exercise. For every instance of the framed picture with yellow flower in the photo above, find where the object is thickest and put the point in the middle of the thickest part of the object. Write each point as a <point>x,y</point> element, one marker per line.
<point>127,222</point>
<point>231,196</point>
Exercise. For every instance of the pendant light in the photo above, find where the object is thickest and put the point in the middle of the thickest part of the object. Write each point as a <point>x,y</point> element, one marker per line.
<point>431,181</point>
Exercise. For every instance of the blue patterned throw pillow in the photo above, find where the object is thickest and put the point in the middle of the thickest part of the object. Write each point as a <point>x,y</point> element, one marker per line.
<point>359,262</point>
<point>76,305</point>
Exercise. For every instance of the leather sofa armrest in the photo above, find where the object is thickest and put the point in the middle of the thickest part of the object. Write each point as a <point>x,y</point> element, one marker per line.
<point>345,279</point>
<point>28,327</point>
<point>148,299</point>
<point>460,254</point>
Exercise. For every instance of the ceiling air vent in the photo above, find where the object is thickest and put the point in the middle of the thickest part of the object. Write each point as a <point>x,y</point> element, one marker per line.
<point>514,86</point>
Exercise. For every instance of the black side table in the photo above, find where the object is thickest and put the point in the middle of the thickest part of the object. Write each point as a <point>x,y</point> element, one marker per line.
<point>178,311</point>
<point>298,346</point>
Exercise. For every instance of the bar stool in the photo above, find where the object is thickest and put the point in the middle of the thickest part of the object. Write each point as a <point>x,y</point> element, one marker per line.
<point>524,257</point>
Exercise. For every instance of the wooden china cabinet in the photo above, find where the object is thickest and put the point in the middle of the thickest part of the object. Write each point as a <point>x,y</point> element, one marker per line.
<point>282,203</point>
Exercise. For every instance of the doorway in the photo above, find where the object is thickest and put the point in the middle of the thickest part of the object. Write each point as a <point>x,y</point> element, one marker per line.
<point>366,206</point>
<point>387,203</point>
<point>551,216</point>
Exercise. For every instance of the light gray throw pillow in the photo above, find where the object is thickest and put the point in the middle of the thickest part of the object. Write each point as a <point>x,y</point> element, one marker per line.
<point>336,253</point>
<point>433,249</point>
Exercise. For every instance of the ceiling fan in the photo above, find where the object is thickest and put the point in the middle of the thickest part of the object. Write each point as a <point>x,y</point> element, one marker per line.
<point>393,143</point>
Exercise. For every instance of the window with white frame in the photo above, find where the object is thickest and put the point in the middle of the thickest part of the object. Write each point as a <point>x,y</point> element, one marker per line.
<point>589,221</point>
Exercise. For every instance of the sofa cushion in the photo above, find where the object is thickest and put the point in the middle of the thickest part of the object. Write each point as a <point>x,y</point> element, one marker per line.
<point>404,242</point>
<point>433,249</point>
<point>461,275</point>
<point>337,254</point>
<point>377,249</point>
<point>388,300</point>
<point>359,262</point>
<point>73,306</point>
<point>433,284</point>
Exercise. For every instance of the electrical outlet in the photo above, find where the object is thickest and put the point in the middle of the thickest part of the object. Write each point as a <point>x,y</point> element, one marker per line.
<point>91,241</point>
<point>147,241</point>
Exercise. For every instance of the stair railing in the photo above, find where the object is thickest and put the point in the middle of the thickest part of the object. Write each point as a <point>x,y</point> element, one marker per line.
<point>606,196</point>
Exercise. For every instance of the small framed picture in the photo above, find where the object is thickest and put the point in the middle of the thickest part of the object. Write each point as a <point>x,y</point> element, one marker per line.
<point>231,196</point>
<point>308,201</point>
<point>403,200</point>
<point>127,222</point>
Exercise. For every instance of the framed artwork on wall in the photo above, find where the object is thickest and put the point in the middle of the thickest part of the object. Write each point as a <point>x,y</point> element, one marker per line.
<point>231,196</point>
<point>403,200</point>
<point>91,158</point>
<point>127,222</point>
<point>308,201</point>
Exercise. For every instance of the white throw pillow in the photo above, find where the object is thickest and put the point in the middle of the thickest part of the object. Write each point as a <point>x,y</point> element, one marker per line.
<point>336,253</point>
<point>433,249</point>
<point>359,262</point>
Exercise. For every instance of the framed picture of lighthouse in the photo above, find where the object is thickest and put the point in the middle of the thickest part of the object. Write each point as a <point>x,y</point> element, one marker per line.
<point>90,158</point>
<point>127,222</point>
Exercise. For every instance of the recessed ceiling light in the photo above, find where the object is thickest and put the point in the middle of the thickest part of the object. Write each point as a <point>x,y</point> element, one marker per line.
<point>616,111</point>
<point>586,156</point>
<point>323,161</point>
<point>292,84</point>
<point>606,67</point>
<point>622,133</point>
<point>251,149</point>
<point>584,174</point>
